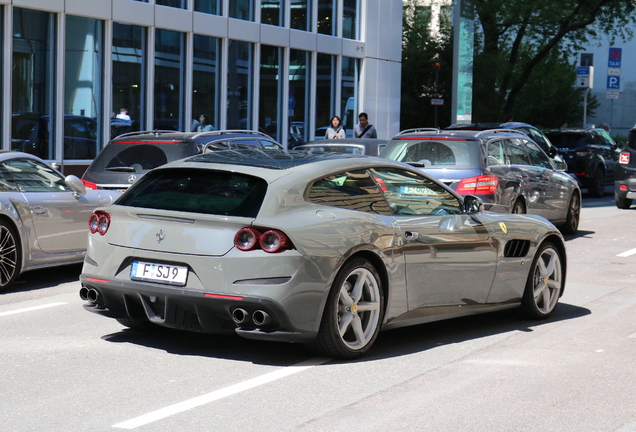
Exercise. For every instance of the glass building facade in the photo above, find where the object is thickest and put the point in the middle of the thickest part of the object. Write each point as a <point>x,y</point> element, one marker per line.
<point>283,67</point>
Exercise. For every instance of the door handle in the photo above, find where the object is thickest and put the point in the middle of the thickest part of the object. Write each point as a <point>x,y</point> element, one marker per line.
<point>411,235</point>
<point>38,211</point>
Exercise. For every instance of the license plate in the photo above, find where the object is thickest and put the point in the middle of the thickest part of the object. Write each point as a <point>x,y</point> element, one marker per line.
<point>415,190</point>
<point>162,273</point>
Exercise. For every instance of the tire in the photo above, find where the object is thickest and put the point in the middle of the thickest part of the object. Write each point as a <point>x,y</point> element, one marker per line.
<point>622,203</point>
<point>10,254</point>
<point>571,225</point>
<point>519,207</point>
<point>136,324</point>
<point>540,298</point>
<point>353,313</point>
<point>596,188</point>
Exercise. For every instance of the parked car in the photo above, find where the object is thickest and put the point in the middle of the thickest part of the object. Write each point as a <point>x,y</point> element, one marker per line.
<point>30,134</point>
<point>319,248</point>
<point>506,169</point>
<point>129,156</point>
<point>625,175</point>
<point>42,215</point>
<point>590,153</point>
<point>364,146</point>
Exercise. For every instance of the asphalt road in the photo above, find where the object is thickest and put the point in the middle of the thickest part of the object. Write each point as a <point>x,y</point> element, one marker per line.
<point>64,369</point>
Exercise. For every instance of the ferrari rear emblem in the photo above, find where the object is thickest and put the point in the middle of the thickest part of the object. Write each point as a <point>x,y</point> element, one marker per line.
<point>160,236</point>
<point>504,228</point>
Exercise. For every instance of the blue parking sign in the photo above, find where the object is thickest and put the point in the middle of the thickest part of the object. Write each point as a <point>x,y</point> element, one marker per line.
<point>613,82</point>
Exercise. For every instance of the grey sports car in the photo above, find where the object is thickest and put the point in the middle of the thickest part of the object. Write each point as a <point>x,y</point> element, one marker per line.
<point>324,249</point>
<point>42,215</point>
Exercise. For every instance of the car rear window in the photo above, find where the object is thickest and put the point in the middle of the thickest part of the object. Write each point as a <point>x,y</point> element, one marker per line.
<point>440,153</point>
<point>198,191</point>
<point>567,141</point>
<point>139,157</point>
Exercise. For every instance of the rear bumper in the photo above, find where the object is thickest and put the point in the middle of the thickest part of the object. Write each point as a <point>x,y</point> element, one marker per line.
<point>629,186</point>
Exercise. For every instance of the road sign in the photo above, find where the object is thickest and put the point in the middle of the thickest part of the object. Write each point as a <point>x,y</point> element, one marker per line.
<point>613,82</point>
<point>615,57</point>
<point>614,71</point>
<point>585,77</point>
<point>612,94</point>
<point>437,101</point>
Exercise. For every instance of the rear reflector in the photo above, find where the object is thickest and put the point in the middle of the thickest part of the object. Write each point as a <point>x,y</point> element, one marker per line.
<point>623,187</point>
<point>624,158</point>
<point>223,296</point>
<point>481,185</point>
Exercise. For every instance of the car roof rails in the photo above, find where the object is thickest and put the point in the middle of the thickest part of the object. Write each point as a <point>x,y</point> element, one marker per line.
<point>232,131</point>
<point>494,131</point>
<point>414,130</point>
<point>155,132</point>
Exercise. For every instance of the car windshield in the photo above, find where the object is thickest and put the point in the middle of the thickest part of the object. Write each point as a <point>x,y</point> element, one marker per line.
<point>567,140</point>
<point>198,191</point>
<point>441,153</point>
<point>351,149</point>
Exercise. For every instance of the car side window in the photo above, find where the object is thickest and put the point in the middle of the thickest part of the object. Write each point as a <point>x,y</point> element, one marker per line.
<point>32,176</point>
<point>517,153</point>
<point>353,190</point>
<point>538,157</point>
<point>409,193</point>
<point>242,142</point>
<point>496,153</point>
<point>270,145</point>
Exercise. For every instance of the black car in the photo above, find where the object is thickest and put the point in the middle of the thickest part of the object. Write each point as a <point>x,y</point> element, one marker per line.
<point>625,174</point>
<point>591,155</point>
<point>129,156</point>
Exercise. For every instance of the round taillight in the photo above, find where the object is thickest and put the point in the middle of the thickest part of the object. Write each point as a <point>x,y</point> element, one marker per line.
<point>93,221</point>
<point>273,241</point>
<point>246,239</point>
<point>99,222</point>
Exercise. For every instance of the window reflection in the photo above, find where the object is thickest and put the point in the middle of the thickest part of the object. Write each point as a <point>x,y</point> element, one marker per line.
<point>33,77</point>
<point>272,12</point>
<point>327,17</point>
<point>242,9</point>
<point>129,84</point>
<point>299,78</point>
<point>325,89</point>
<point>270,91</point>
<point>349,92</point>
<point>169,64</point>
<point>172,3</point>
<point>205,81</point>
<point>350,19</point>
<point>208,6</point>
<point>239,84</point>
<point>83,59</point>
<point>300,14</point>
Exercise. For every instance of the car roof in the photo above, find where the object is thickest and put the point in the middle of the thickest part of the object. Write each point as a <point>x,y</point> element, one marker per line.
<point>456,134</point>
<point>177,136</point>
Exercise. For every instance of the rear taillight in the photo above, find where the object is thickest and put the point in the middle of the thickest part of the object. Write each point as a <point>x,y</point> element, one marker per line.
<point>89,185</point>
<point>99,222</point>
<point>269,240</point>
<point>623,158</point>
<point>481,185</point>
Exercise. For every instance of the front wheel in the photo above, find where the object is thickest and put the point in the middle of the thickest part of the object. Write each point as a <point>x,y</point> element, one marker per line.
<point>571,224</point>
<point>545,283</point>
<point>353,313</point>
<point>622,203</point>
<point>597,184</point>
<point>10,254</point>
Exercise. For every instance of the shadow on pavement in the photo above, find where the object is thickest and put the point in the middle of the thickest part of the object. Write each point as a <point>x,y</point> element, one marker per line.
<point>44,278</point>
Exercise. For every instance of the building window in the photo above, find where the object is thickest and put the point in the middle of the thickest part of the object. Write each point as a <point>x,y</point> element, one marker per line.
<point>299,79</point>
<point>83,77</point>
<point>129,83</point>
<point>32,79</point>
<point>300,14</point>
<point>327,17</point>
<point>242,9</point>
<point>272,12</point>
<point>325,89</point>
<point>208,6</point>
<point>205,82</point>
<point>270,89</point>
<point>239,84</point>
<point>181,4</point>
<point>169,67</point>
<point>349,92</point>
<point>350,21</point>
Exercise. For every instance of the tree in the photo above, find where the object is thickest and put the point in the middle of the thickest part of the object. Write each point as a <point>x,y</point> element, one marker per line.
<point>518,37</point>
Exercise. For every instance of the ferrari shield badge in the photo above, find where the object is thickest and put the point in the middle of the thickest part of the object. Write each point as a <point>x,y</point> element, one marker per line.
<point>504,228</point>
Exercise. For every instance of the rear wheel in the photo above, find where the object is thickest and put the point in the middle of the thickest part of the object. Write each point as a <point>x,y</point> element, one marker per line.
<point>519,207</point>
<point>353,313</point>
<point>622,203</point>
<point>596,187</point>
<point>545,283</point>
<point>571,224</point>
<point>10,254</point>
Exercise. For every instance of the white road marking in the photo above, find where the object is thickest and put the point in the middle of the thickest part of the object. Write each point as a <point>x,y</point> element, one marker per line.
<point>33,308</point>
<point>218,394</point>
<point>626,254</point>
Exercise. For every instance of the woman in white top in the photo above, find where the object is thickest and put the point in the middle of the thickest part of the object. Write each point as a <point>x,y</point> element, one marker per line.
<point>335,130</point>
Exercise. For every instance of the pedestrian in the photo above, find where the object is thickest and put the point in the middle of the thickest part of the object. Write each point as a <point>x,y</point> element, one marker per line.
<point>606,127</point>
<point>363,129</point>
<point>335,129</point>
<point>123,114</point>
<point>204,124</point>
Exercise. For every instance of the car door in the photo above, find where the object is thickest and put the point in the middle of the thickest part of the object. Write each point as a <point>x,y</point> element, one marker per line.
<point>60,219</point>
<point>450,257</point>
<point>532,178</point>
<point>610,152</point>
<point>554,191</point>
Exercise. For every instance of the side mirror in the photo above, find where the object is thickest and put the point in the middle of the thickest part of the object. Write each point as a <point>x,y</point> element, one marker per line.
<point>552,152</point>
<point>473,204</point>
<point>559,163</point>
<point>76,185</point>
